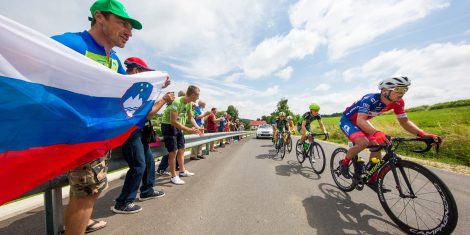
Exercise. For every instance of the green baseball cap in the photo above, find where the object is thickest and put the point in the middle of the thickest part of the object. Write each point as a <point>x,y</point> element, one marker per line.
<point>114,7</point>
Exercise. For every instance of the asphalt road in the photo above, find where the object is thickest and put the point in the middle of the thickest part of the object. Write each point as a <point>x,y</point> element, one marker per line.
<point>242,189</point>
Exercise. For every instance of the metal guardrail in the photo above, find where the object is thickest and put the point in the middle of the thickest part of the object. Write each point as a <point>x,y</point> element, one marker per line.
<point>53,188</point>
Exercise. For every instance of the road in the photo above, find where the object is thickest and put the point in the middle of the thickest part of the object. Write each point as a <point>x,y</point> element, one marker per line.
<point>242,189</point>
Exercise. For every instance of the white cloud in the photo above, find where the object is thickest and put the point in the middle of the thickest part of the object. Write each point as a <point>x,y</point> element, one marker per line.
<point>438,72</point>
<point>340,24</point>
<point>208,37</point>
<point>349,23</point>
<point>273,53</point>
<point>233,77</point>
<point>285,73</point>
<point>322,87</point>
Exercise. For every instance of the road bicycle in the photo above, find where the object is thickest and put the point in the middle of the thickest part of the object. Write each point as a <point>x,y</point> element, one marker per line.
<point>289,142</point>
<point>280,146</point>
<point>314,152</point>
<point>416,199</point>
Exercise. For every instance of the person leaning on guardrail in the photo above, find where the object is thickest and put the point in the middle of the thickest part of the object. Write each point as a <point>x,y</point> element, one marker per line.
<point>163,166</point>
<point>138,154</point>
<point>199,115</point>
<point>172,127</point>
<point>211,126</point>
<point>111,26</point>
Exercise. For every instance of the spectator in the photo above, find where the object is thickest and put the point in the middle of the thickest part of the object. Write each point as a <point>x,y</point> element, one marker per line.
<point>241,127</point>
<point>196,152</point>
<point>111,26</point>
<point>138,155</point>
<point>235,127</point>
<point>212,126</point>
<point>173,121</point>
<point>162,167</point>
<point>228,123</point>
<point>222,128</point>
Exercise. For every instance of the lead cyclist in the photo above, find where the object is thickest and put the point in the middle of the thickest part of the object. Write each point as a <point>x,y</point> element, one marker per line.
<point>355,119</point>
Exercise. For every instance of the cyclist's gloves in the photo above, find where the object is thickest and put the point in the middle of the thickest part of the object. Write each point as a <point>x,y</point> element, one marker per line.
<point>423,134</point>
<point>379,137</point>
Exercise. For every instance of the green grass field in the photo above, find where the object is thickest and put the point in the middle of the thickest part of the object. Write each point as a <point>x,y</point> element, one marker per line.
<point>453,124</point>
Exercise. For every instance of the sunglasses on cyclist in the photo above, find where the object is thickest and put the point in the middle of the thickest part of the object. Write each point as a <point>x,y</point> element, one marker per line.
<point>400,89</point>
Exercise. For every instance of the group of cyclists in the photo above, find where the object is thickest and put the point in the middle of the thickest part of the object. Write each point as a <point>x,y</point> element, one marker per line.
<point>354,121</point>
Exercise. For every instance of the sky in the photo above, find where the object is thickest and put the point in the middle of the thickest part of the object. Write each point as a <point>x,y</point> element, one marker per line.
<point>251,54</point>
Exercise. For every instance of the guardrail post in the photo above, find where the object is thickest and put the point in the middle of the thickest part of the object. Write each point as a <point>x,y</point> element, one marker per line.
<point>207,149</point>
<point>54,211</point>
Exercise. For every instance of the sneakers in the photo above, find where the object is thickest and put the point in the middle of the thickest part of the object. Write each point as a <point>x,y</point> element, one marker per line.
<point>186,173</point>
<point>201,157</point>
<point>194,158</point>
<point>163,172</point>
<point>155,194</point>
<point>130,208</point>
<point>176,180</point>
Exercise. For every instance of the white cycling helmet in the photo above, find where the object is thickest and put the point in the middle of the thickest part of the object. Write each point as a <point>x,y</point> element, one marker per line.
<point>390,83</point>
<point>289,118</point>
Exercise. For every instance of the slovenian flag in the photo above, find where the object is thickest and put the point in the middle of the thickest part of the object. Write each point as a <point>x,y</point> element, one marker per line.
<point>59,109</point>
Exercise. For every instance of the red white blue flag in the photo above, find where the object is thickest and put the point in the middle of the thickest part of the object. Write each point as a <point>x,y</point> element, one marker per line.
<point>59,109</point>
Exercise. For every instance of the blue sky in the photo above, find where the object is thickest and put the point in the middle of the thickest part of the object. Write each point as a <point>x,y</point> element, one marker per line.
<point>253,53</point>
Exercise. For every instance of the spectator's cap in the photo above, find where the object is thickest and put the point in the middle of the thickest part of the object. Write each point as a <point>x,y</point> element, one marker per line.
<point>114,7</point>
<point>132,62</point>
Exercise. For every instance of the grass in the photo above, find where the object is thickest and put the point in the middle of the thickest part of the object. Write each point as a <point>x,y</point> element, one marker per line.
<point>453,124</point>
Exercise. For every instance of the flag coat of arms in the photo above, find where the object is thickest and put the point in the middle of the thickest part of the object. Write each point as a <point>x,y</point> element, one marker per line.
<point>59,109</point>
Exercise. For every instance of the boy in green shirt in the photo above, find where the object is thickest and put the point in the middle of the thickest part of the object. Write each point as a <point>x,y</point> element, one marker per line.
<point>173,125</point>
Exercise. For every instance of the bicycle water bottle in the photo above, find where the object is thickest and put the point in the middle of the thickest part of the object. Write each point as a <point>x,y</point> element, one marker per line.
<point>305,145</point>
<point>372,162</point>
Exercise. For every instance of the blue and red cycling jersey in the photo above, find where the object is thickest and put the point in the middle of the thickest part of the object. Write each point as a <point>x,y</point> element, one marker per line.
<point>371,105</point>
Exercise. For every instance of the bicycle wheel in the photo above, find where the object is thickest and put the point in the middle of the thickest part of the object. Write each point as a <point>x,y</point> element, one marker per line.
<point>317,157</point>
<point>431,209</point>
<point>299,148</point>
<point>343,183</point>
<point>283,149</point>
<point>289,146</point>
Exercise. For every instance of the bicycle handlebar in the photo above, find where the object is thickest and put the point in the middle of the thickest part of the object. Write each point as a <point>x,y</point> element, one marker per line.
<point>426,139</point>
<point>327,136</point>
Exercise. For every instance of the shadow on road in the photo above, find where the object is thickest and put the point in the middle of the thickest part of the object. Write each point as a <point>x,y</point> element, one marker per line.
<point>295,168</point>
<point>336,213</point>
<point>270,155</point>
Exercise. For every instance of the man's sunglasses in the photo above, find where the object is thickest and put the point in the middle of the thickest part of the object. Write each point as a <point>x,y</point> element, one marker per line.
<point>400,89</point>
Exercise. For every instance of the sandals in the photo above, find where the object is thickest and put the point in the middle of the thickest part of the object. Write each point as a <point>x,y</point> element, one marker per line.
<point>95,225</point>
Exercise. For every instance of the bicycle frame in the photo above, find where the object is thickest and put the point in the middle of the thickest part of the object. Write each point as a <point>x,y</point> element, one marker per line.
<point>392,160</point>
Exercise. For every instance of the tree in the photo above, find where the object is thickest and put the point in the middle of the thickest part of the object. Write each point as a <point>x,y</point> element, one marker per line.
<point>233,112</point>
<point>264,118</point>
<point>282,107</point>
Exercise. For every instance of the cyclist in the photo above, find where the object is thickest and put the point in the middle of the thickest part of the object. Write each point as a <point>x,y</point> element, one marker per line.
<point>273,125</point>
<point>281,126</point>
<point>304,126</point>
<point>355,125</point>
<point>291,124</point>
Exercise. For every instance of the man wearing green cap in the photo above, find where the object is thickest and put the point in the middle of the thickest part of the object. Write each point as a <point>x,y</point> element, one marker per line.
<point>111,26</point>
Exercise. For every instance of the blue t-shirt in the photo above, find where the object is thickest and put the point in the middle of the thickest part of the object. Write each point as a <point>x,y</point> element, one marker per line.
<point>198,112</point>
<point>221,125</point>
<point>85,44</point>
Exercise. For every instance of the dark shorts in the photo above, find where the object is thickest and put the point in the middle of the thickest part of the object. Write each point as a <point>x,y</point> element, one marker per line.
<point>173,137</point>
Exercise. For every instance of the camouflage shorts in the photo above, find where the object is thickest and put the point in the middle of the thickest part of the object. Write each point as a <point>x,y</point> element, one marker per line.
<point>89,179</point>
